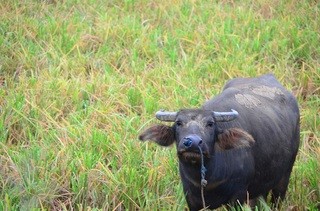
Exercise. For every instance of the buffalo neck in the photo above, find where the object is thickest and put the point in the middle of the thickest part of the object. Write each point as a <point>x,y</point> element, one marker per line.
<point>221,166</point>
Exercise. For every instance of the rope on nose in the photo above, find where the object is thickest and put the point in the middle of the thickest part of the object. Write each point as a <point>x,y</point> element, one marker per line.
<point>203,180</point>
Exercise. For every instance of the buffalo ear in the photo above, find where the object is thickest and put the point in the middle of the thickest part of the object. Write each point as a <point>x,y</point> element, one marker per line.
<point>234,138</point>
<point>161,134</point>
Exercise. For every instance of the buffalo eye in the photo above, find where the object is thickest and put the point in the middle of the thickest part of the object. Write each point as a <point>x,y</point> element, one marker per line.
<point>179,123</point>
<point>210,124</point>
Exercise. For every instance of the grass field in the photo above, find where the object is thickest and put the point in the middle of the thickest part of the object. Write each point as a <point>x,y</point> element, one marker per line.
<point>79,80</point>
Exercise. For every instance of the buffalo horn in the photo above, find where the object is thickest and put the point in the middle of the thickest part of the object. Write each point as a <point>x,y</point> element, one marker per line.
<point>225,116</point>
<point>166,116</point>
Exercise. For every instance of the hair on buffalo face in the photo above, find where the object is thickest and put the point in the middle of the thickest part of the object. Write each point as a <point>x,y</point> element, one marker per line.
<point>161,134</point>
<point>233,138</point>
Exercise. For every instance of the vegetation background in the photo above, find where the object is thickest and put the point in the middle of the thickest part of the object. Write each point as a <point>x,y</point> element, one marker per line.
<point>80,79</point>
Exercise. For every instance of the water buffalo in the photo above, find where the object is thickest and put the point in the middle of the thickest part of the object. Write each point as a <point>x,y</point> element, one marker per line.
<point>247,138</point>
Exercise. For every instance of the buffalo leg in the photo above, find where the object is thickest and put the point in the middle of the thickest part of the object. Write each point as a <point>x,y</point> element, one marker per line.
<point>278,193</point>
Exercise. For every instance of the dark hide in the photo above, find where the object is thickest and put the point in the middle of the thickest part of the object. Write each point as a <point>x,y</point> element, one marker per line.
<point>245,158</point>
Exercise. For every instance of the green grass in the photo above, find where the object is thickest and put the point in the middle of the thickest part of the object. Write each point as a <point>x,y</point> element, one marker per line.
<point>79,80</point>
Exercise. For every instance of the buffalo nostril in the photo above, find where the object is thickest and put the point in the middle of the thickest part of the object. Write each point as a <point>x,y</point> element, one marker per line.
<point>200,142</point>
<point>187,142</point>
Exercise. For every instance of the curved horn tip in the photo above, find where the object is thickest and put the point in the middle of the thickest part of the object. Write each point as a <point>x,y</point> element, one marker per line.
<point>166,116</point>
<point>225,116</point>
<point>236,113</point>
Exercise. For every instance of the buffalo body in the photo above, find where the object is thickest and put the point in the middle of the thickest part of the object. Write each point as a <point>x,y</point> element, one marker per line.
<point>247,153</point>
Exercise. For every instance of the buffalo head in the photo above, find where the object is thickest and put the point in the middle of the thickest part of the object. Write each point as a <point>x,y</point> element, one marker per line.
<point>192,128</point>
